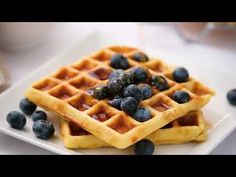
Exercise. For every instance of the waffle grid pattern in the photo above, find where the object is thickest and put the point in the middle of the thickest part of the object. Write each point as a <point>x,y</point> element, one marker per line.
<point>190,127</point>
<point>67,92</point>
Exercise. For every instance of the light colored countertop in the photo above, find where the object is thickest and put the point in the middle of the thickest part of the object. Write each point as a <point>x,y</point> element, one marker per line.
<point>64,35</point>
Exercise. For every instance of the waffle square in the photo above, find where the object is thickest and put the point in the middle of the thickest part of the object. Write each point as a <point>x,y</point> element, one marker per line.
<point>67,92</point>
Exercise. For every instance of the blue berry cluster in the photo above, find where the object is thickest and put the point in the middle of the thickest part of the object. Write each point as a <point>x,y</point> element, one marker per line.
<point>125,89</point>
<point>42,128</point>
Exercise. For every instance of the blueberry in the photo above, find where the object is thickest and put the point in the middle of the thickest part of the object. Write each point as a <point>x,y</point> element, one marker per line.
<point>126,77</point>
<point>160,82</point>
<point>43,129</point>
<point>231,96</point>
<point>16,119</point>
<point>27,106</point>
<point>118,61</point>
<point>181,97</point>
<point>133,91</point>
<point>140,74</point>
<point>116,85</point>
<point>144,147</point>
<point>142,114</point>
<point>101,92</point>
<point>116,73</point>
<point>146,91</point>
<point>140,57</point>
<point>116,102</point>
<point>180,75</point>
<point>39,115</point>
<point>129,105</point>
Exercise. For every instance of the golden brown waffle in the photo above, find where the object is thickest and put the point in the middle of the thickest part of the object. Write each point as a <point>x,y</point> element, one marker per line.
<point>66,92</point>
<point>190,127</point>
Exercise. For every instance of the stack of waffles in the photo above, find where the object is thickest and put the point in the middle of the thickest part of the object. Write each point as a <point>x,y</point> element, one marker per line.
<point>87,122</point>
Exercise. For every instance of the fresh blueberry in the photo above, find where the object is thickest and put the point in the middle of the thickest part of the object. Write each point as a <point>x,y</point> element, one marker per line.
<point>146,90</point>
<point>118,61</point>
<point>39,115</point>
<point>116,85</point>
<point>180,75</point>
<point>27,106</point>
<point>142,114</point>
<point>144,147</point>
<point>116,102</point>
<point>101,92</point>
<point>129,105</point>
<point>133,91</point>
<point>16,119</point>
<point>181,97</point>
<point>43,129</point>
<point>231,96</point>
<point>160,82</point>
<point>140,57</point>
<point>140,74</point>
<point>116,73</point>
<point>126,77</point>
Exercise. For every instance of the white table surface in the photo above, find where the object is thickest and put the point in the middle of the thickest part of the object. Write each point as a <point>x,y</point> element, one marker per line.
<point>64,35</point>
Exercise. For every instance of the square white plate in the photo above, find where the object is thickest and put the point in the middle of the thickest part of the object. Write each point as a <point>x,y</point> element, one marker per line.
<point>218,112</point>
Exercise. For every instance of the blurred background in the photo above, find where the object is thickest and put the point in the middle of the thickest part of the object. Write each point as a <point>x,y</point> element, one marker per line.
<point>26,46</point>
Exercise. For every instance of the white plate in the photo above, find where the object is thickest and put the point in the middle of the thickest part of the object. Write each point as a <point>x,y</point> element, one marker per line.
<point>218,112</point>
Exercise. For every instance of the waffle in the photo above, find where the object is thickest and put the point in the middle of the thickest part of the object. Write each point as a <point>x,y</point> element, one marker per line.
<point>67,92</point>
<point>190,127</point>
